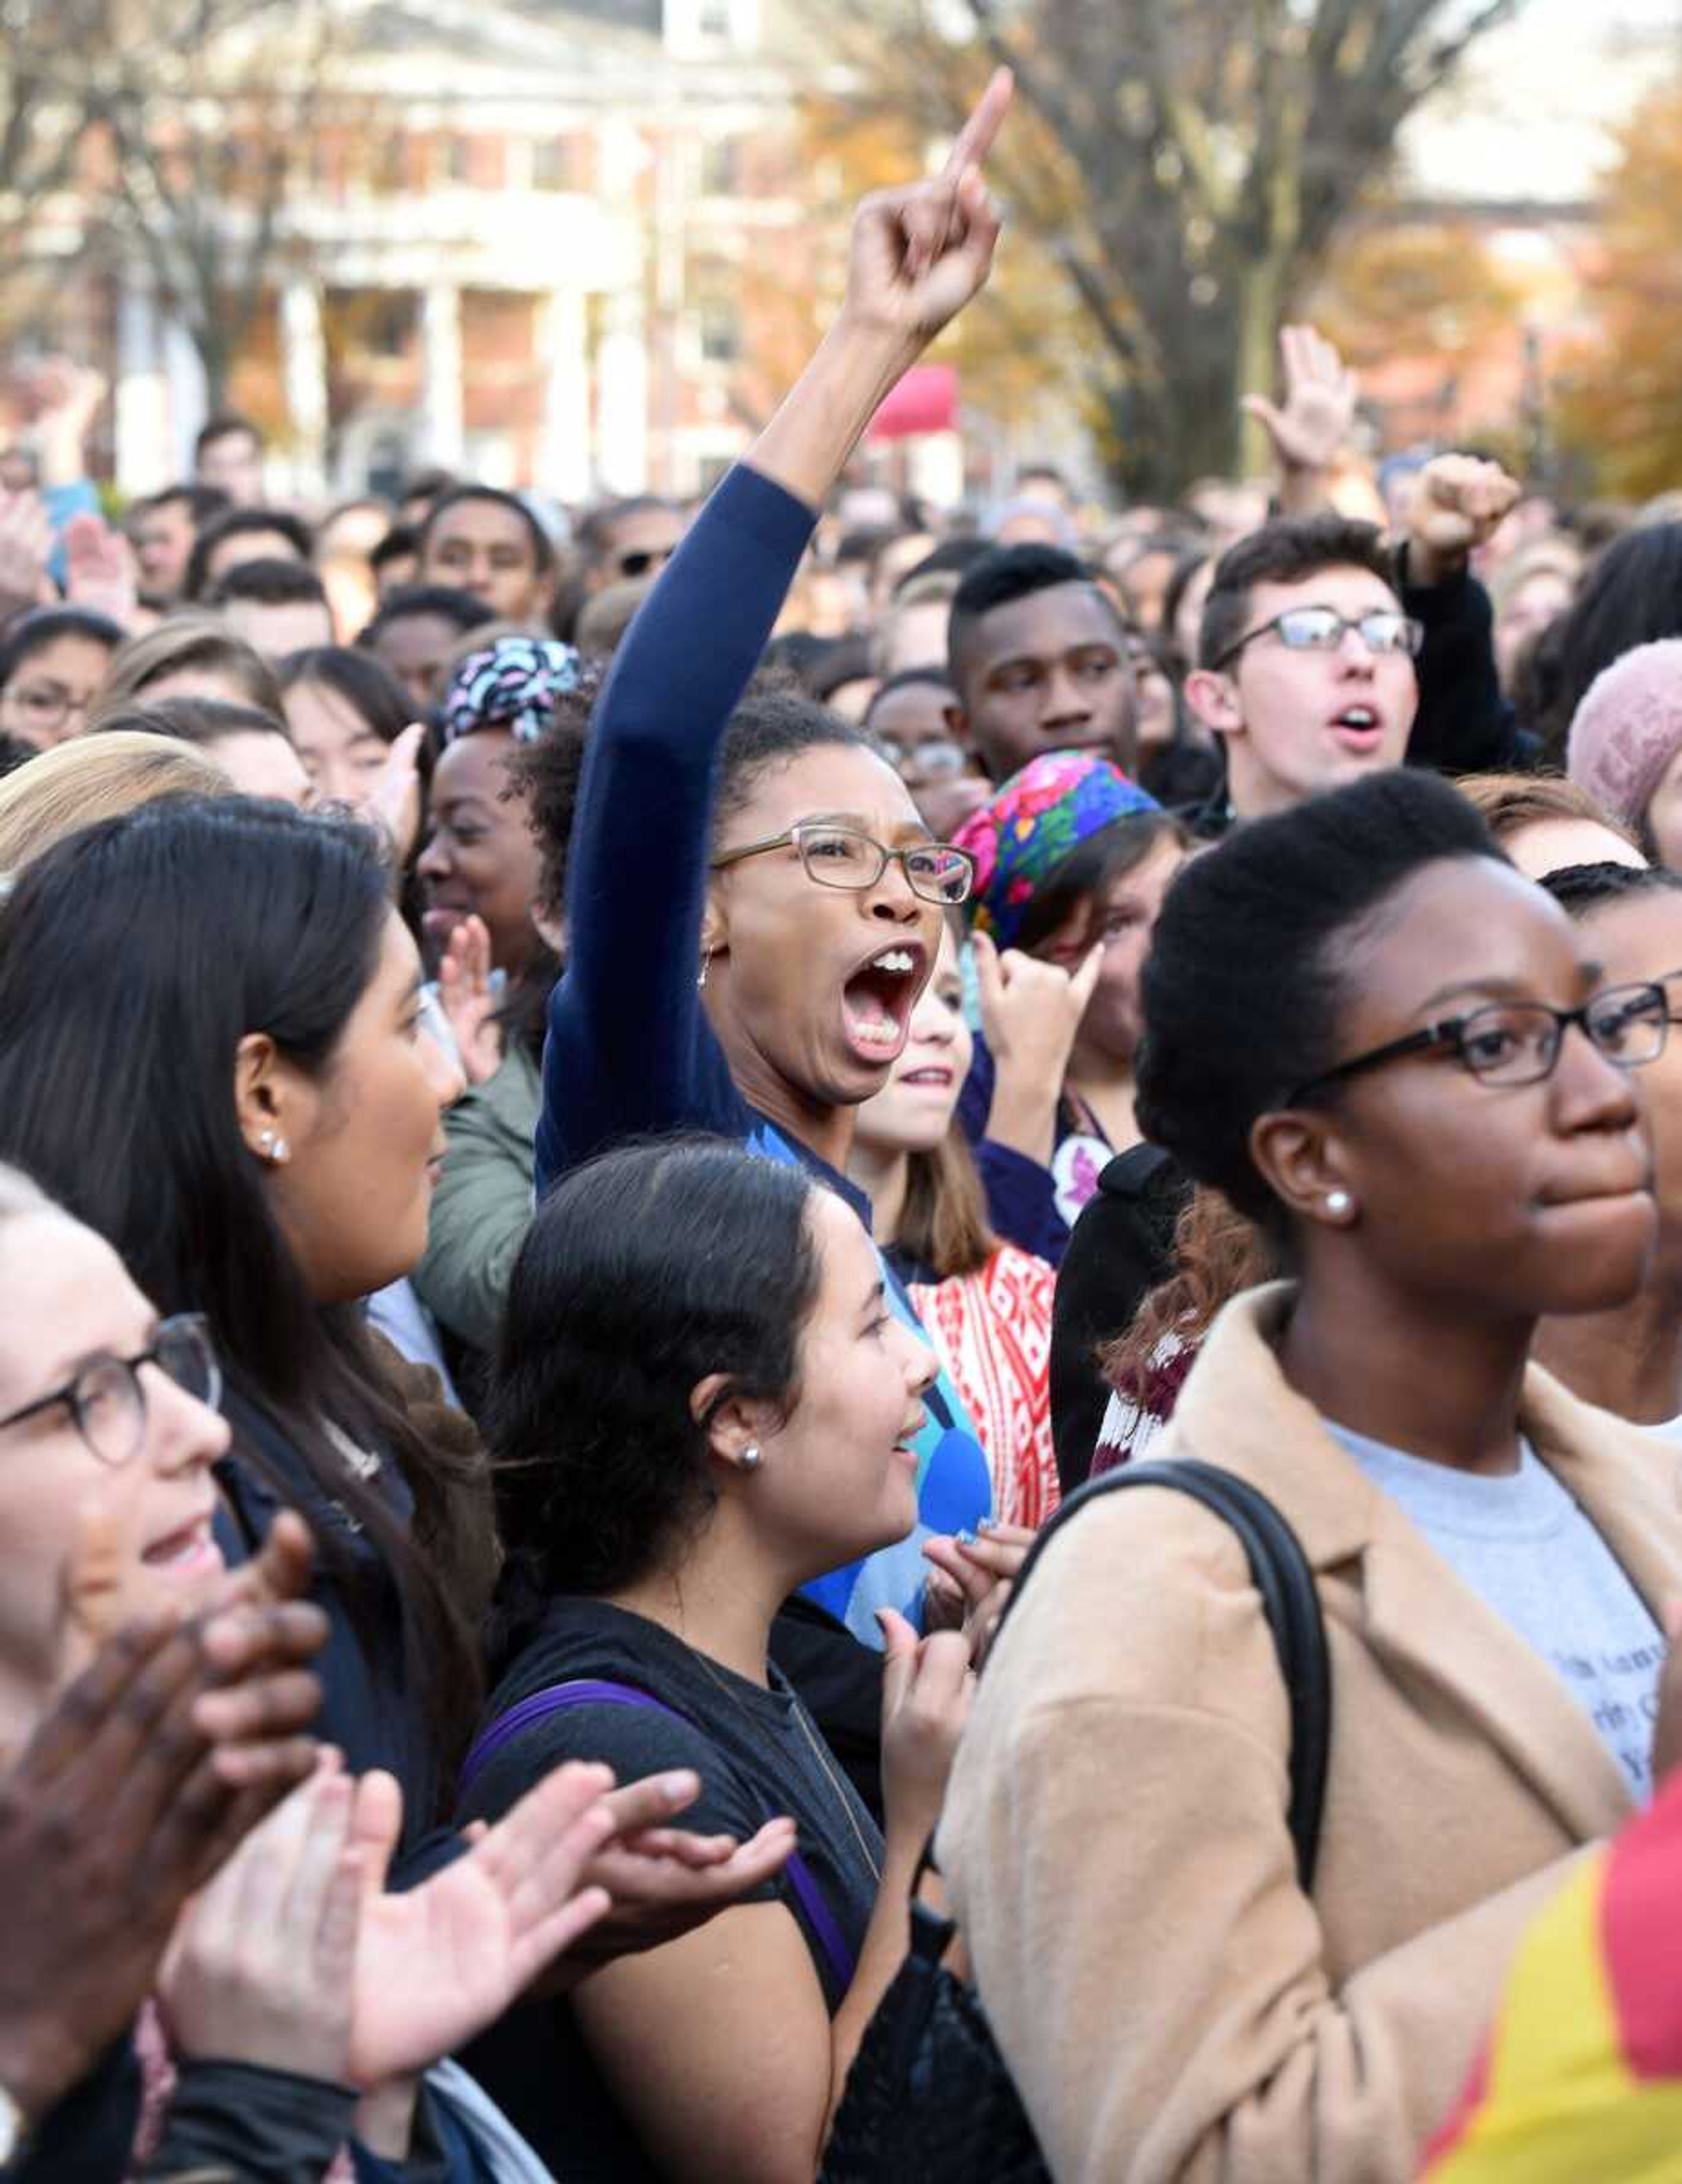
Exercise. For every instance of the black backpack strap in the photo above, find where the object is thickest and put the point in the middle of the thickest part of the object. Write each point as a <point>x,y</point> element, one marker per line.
<point>1290,1601</point>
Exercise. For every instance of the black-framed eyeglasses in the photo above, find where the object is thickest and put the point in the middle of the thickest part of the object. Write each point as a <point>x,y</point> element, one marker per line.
<point>107,1398</point>
<point>842,857</point>
<point>1323,629</point>
<point>1519,1042</point>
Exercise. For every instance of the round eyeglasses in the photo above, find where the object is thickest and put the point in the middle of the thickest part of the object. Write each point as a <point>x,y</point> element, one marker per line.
<point>1519,1042</point>
<point>107,1397</point>
<point>842,857</point>
<point>1323,629</point>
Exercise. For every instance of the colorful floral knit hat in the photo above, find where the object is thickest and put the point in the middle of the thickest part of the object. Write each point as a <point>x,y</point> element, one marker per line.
<point>512,685</point>
<point>1018,840</point>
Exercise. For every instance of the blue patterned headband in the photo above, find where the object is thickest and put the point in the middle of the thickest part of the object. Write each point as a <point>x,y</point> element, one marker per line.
<point>512,684</point>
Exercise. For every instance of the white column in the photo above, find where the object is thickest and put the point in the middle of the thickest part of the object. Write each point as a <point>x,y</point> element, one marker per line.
<point>622,406</point>
<point>189,396</point>
<point>142,399</point>
<point>564,461</point>
<point>303,366</point>
<point>440,421</point>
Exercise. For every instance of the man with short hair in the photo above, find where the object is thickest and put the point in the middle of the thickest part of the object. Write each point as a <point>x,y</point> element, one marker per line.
<point>244,534</point>
<point>1323,656</point>
<point>163,530</point>
<point>228,454</point>
<point>278,607</point>
<point>1038,658</point>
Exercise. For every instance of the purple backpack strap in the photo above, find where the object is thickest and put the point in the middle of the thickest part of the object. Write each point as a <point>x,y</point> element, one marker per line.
<point>590,1692</point>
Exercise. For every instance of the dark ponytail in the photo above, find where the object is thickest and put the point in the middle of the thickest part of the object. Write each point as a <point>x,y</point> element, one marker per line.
<point>644,1274</point>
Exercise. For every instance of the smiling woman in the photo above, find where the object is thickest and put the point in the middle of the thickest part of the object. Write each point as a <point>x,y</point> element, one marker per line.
<point>270,1162</point>
<point>1443,1137</point>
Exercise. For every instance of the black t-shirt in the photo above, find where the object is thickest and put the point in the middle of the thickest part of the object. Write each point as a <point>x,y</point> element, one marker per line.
<point>754,1749</point>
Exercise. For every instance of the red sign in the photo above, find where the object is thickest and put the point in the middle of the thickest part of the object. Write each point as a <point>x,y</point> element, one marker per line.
<point>926,400</point>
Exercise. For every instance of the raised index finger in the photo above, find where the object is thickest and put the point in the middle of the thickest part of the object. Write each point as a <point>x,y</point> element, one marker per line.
<point>974,141</point>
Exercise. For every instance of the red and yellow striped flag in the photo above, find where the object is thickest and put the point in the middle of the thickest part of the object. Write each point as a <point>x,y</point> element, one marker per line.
<point>1581,2082</point>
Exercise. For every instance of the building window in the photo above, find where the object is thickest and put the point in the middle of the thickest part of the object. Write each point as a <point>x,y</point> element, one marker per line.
<point>388,167</point>
<point>458,159</point>
<point>721,167</point>
<point>552,165</point>
<point>391,323</point>
<point>720,329</point>
<point>712,18</point>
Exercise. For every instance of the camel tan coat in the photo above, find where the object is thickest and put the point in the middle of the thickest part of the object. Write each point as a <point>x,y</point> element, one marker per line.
<point>1171,2004</point>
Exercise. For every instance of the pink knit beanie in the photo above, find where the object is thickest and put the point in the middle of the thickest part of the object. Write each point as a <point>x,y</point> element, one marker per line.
<point>1628,729</point>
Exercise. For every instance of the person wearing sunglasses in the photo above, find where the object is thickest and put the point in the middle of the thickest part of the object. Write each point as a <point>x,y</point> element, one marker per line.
<point>1324,656</point>
<point>629,538</point>
<point>1393,1053</point>
<point>753,904</point>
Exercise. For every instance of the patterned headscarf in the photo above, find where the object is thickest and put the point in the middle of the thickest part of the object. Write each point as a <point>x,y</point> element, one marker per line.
<point>511,684</point>
<point>1018,840</point>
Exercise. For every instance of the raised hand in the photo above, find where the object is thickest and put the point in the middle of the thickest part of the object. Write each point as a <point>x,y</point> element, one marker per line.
<point>1321,394</point>
<point>394,799</point>
<point>1459,504</point>
<point>100,572</point>
<point>919,254</point>
<point>25,546</point>
<point>436,1965</point>
<point>1030,1013</point>
<point>467,1000</point>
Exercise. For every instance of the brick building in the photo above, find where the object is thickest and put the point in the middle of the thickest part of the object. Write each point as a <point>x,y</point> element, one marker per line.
<point>550,245</point>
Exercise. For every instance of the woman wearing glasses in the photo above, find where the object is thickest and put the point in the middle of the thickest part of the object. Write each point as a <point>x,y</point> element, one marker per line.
<point>51,670</point>
<point>1381,1043</point>
<point>753,904</point>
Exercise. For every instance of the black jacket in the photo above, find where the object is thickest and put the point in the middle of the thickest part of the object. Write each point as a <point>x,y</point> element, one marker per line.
<point>1122,1247</point>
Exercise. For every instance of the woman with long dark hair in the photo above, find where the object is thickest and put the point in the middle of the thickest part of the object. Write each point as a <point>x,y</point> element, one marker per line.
<point>210,1051</point>
<point>703,1402</point>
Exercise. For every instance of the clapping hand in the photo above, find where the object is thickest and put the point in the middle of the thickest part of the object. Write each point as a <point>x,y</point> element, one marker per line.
<point>970,1581</point>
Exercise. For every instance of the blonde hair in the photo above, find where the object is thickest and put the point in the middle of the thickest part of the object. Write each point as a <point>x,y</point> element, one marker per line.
<point>78,783</point>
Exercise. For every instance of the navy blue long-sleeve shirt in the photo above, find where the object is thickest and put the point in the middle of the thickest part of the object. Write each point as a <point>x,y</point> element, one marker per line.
<point>630,1052</point>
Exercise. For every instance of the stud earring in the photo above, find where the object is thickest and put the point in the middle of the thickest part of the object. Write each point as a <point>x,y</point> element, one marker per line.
<point>1339,1205</point>
<point>274,1150</point>
<point>750,1459</point>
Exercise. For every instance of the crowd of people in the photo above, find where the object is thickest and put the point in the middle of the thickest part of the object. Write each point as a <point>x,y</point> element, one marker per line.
<point>608,1125</point>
